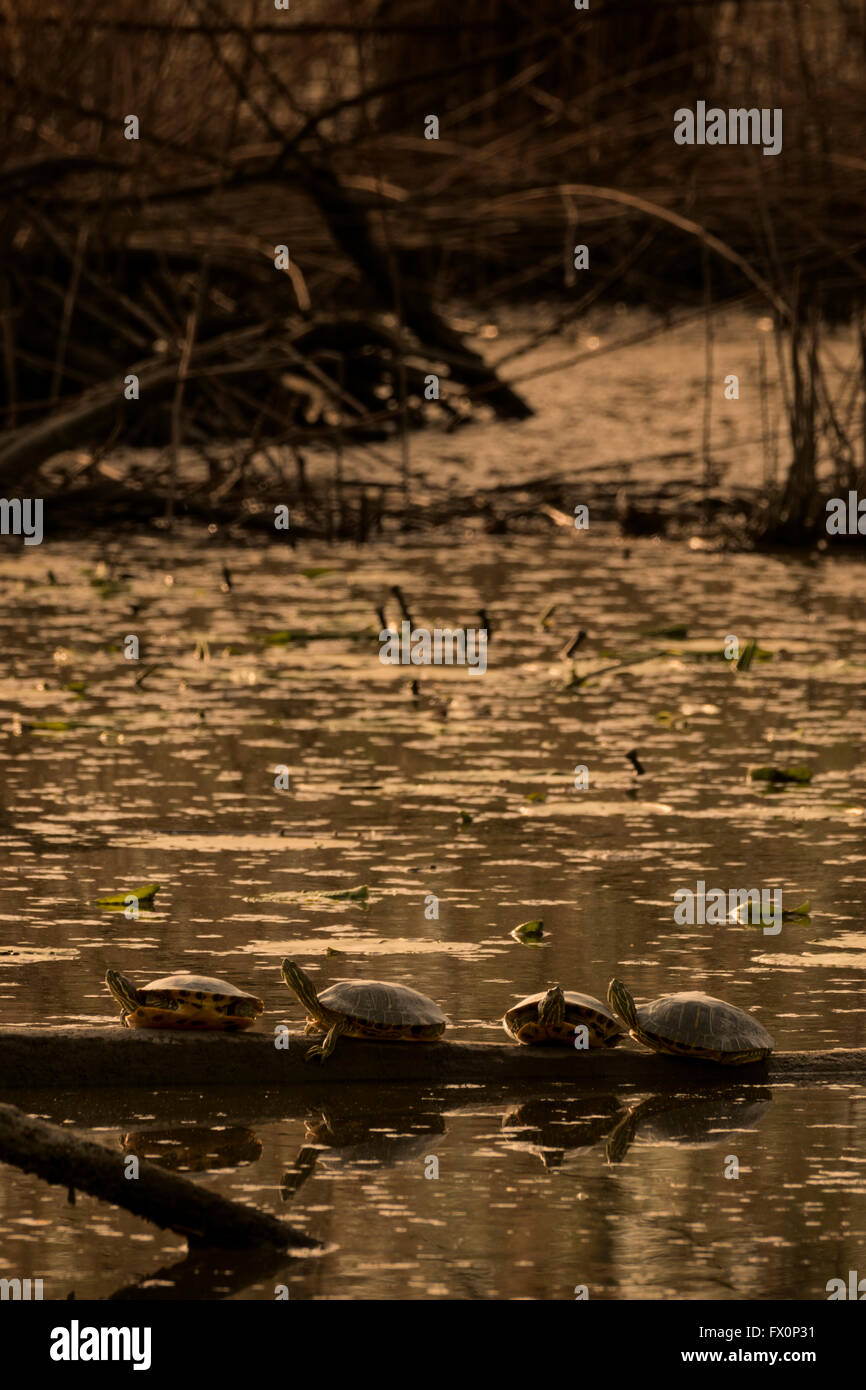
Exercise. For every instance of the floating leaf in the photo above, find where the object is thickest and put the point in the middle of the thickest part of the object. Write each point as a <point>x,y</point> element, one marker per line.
<point>789,913</point>
<point>747,655</point>
<point>536,796</point>
<point>466,818</point>
<point>351,895</point>
<point>283,638</point>
<point>754,914</point>
<point>675,721</point>
<point>108,588</point>
<point>146,893</point>
<point>780,774</point>
<point>49,726</point>
<point>529,932</point>
<point>315,570</point>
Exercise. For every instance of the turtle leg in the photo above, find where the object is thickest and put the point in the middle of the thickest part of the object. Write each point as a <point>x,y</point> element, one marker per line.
<point>324,1049</point>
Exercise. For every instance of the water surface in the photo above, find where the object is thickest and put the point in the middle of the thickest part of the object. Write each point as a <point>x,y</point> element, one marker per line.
<point>461,802</point>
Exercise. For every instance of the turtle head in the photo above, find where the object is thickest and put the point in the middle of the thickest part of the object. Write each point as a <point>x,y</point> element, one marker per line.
<point>622,1003</point>
<point>123,990</point>
<point>551,1008</point>
<point>300,983</point>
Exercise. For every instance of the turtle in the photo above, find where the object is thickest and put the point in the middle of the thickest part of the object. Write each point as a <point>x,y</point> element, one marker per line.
<point>554,1016</point>
<point>364,1009</point>
<point>183,1001</point>
<point>693,1025</point>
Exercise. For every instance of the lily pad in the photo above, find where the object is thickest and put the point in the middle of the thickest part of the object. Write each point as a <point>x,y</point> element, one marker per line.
<point>780,774</point>
<point>752,914</point>
<point>146,893</point>
<point>351,895</point>
<point>342,895</point>
<point>790,914</point>
<point>285,637</point>
<point>529,932</point>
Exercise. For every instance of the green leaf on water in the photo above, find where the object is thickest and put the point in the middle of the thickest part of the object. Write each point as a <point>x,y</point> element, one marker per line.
<point>315,570</point>
<point>536,796</point>
<point>108,588</point>
<point>788,913</point>
<point>302,895</point>
<point>529,932</point>
<point>466,818</point>
<point>753,914</point>
<point>350,895</point>
<point>284,638</point>
<point>780,774</point>
<point>49,726</point>
<point>146,893</point>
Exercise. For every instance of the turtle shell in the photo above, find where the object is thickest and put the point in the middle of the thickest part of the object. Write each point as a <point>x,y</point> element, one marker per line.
<point>203,988</point>
<point>696,1025</point>
<point>191,1001</point>
<point>601,1022</point>
<point>381,1009</point>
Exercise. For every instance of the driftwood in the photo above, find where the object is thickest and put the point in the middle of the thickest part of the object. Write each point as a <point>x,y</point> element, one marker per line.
<point>397,287</point>
<point>73,424</point>
<point>166,1199</point>
<point>61,301</point>
<point>70,1058</point>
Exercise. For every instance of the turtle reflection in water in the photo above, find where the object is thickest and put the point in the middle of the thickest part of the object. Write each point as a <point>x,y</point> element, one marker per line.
<point>365,1144</point>
<point>194,1148</point>
<point>549,1128</point>
<point>183,1001</point>
<point>689,1121</point>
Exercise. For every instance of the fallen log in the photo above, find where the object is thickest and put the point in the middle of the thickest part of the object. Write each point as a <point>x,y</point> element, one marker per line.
<point>24,450</point>
<point>167,1200</point>
<point>394,281</point>
<point>70,1058</point>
